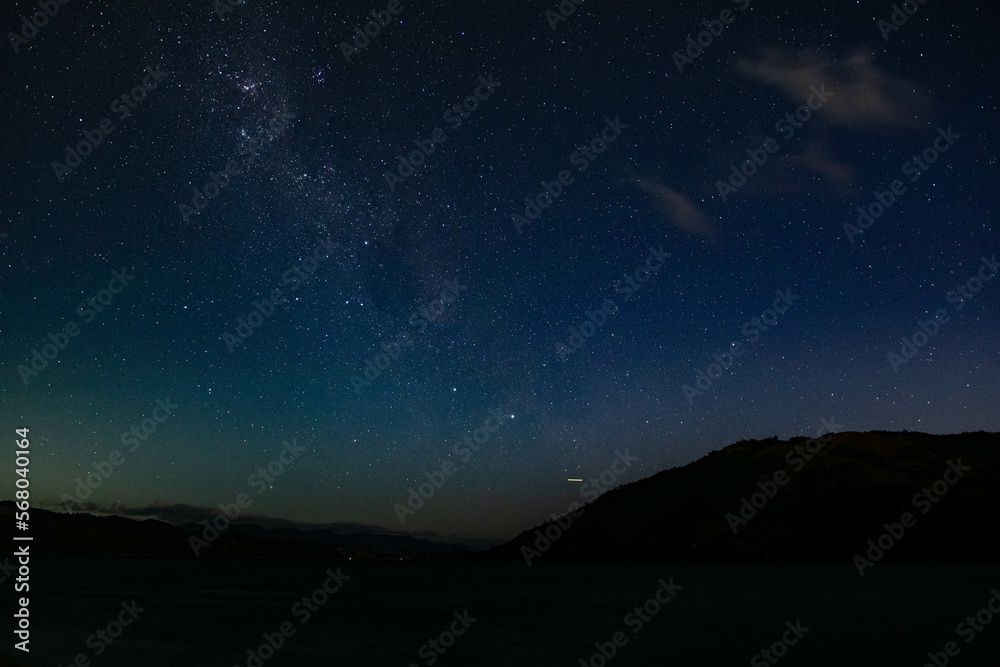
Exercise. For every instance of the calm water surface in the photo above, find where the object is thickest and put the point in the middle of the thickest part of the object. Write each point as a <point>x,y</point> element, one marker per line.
<point>204,612</point>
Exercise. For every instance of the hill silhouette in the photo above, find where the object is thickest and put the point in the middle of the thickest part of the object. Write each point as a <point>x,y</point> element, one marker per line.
<point>827,509</point>
<point>753,500</point>
<point>82,533</point>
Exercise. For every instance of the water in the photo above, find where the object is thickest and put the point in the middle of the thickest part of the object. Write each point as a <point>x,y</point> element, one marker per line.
<point>204,612</point>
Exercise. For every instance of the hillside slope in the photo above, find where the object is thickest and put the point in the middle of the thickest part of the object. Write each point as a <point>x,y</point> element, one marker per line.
<point>827,509</point>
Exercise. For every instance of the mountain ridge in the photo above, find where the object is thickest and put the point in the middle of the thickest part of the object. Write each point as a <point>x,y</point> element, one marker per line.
<point>796,499</point>
<point>84,533</point>
<point>828,507</point>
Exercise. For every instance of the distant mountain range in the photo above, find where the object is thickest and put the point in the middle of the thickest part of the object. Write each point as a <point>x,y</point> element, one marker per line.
<point>80,533</point>
<point>729,505</point>
<point>798,499</point>
<point>363,541</point>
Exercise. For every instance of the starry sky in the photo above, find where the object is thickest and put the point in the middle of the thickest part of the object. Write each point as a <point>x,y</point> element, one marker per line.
<point>311,128</point>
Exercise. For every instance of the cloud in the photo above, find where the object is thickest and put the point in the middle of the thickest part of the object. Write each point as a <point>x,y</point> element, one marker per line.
<point>680,210</point>
<point>862,93</point>
<point>836,177</point>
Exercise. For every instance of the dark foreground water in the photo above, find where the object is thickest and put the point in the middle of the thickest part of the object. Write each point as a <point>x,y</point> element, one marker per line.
<point>203,612</point>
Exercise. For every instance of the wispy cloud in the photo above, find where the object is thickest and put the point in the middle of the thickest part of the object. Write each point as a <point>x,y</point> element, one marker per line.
<point>863,93</point>
<point>836,177</point>
<point>680,210</point>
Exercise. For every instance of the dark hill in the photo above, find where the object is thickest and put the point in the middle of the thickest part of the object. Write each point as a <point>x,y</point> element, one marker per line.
<point>370,541</point>
<point>80,533</point>
<point>827,510</point>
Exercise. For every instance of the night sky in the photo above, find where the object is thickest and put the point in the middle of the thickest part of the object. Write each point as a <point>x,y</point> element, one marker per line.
<point>309,130</point>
